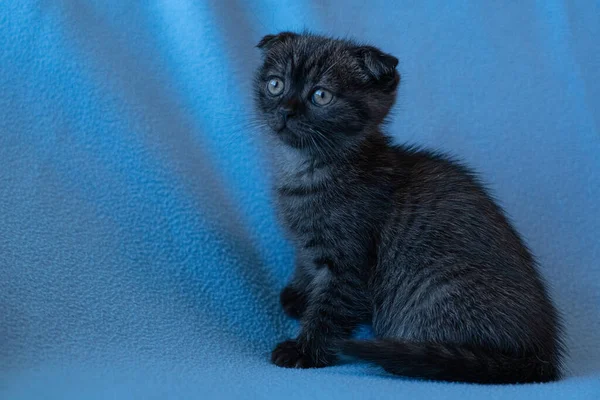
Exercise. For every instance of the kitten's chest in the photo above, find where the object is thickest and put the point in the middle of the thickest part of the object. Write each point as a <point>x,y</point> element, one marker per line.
<point>310,199</point>
<point>306,216</point>
<point>308,196</point>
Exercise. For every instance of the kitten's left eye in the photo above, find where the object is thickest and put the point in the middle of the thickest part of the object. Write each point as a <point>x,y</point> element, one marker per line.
<point>322,97</point>
<point>275,86</point>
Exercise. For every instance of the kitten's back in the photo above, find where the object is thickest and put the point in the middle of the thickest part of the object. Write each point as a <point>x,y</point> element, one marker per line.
<point>451,269</point>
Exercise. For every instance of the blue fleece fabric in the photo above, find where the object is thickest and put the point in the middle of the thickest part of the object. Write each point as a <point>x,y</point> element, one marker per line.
<point>139,253</point>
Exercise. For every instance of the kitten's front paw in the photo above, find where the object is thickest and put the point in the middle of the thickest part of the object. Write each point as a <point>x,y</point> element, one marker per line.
<point>289,354</point>
<point>293,301</point>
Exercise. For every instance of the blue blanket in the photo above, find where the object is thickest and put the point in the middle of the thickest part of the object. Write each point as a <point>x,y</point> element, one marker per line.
<point>139,253</point>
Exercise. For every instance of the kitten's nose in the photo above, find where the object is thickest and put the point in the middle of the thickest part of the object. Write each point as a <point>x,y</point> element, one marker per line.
<point>287,112</point>
<point>288,109</point>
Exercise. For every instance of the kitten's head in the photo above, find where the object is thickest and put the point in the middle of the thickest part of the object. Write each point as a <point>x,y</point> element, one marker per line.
<point>322,94</point>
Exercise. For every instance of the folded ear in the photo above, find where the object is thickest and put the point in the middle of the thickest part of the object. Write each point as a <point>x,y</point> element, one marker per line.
<point>377,64</point>
<point>267,42</point>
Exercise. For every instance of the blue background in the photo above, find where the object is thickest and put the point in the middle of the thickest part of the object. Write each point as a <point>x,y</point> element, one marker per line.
<point>139,254</point>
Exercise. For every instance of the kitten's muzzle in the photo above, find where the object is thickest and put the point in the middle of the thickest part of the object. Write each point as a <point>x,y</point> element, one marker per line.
<point>289,108</point>
<point>287,111</point>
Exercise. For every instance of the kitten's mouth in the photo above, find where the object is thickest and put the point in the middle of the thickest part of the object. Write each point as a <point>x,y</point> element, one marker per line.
<point>279,126</point>
<point>289,137</point>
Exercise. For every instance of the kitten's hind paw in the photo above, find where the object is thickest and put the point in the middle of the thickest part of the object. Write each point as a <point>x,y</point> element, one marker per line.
<point>289,354</point>
<point>293,301</point>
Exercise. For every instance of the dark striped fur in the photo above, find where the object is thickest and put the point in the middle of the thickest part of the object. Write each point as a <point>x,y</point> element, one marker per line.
<point>406,240</point>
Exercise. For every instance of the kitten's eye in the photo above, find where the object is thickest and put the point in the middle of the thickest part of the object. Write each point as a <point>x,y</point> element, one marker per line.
<point>322,97</point>
<point>275,86</point>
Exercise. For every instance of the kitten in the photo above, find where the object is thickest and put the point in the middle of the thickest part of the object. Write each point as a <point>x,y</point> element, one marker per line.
<point>406,240</point>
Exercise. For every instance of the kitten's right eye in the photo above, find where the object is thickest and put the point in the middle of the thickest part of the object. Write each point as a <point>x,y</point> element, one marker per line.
<point>275,86</point>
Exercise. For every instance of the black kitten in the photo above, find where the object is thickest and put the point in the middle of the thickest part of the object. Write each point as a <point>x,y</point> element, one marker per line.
<point>404,239</point>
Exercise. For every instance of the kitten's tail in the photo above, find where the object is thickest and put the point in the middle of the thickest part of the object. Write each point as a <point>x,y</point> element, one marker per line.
<point>452,362</point>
